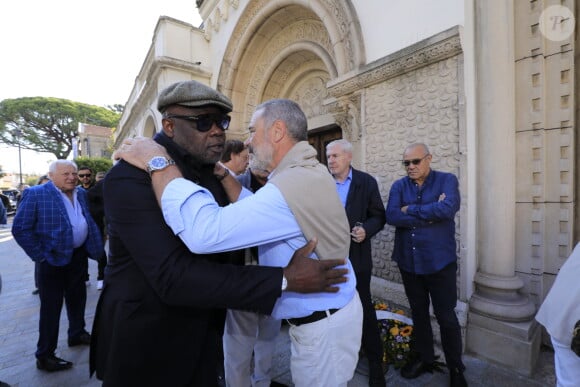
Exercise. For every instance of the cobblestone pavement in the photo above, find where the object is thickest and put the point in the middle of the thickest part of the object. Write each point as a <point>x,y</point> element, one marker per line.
<point>19,332</point>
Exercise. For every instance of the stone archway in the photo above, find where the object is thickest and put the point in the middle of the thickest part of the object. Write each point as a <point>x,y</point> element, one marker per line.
<point>290,49</point>
<point>149,129</point>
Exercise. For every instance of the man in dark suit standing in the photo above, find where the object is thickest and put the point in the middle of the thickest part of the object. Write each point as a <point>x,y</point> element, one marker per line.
<point>54,227</point>
<point>160,313</point>
<point>361,198</point>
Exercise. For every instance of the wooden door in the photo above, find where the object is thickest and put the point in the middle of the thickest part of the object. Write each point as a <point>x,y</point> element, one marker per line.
<point>320,138</point>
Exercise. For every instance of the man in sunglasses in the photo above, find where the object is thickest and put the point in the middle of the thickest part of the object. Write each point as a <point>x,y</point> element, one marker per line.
<point>298,202</point>
<point>87,182</point>
<point>86,177</point>
<point>422,207</point>
<point>161,311</point>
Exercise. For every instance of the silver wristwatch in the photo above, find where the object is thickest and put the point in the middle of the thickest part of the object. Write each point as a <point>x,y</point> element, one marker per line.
<point>284,282</point>
<point>158,163</point>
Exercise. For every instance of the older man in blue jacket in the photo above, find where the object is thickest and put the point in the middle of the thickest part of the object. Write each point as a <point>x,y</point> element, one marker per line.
<point>54,227</point>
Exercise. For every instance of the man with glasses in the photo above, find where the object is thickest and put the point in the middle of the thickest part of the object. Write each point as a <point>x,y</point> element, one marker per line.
<point>86,177</point>
<point>422,207</point>
<point>161,310</point>
<point>86,182</point>
<point>298,202</point>
<point>54,227</point>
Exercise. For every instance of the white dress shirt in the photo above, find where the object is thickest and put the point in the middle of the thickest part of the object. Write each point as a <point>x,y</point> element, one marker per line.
<point>262,219</point>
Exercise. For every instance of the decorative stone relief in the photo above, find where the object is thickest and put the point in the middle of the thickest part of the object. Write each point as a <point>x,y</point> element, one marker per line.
<point>341,20</point>
<point>311,32</point>
<point>374,73</point>
<point>219,14</point>
<point>347,114</point>
<point>309,95</point>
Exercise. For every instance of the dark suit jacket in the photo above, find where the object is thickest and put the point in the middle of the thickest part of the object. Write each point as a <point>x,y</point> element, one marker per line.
<point>43,230</point>
<point>156,323</point>
<point>364,204</point>
<point>97,204</point>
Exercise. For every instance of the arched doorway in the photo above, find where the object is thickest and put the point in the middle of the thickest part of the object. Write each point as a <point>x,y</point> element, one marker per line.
<point>320,137</point>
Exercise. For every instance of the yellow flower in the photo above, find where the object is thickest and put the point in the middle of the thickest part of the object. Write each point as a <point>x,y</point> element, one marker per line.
<point>400,312</point>
<point>394,331</point>
<point>406,331</point>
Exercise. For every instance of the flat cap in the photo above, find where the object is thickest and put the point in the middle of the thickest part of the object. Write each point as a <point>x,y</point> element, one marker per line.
<point>193,94</point>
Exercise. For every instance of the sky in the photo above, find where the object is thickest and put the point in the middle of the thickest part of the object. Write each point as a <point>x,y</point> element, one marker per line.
<point>85,51</point>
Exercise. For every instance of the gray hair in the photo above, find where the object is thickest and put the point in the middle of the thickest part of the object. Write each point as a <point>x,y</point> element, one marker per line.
<point>287,111</point>
<point>52,166</point>
<point>416,145</point>
<point>342,143</point>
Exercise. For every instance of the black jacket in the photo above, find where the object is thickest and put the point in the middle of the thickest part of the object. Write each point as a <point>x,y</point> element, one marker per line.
<point>364,204</point>
<point>159,315</point>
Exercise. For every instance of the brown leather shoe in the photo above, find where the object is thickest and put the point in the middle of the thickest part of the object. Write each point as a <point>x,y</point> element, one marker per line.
<point>52,364</point>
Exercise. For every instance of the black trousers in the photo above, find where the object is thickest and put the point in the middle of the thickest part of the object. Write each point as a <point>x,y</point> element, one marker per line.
<point>55,284</point>
<point>371,339</point>
<point>441,287</point>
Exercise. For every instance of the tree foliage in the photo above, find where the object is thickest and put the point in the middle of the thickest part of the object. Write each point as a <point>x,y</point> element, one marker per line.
<point>97,164</point>
<point>49,124</point>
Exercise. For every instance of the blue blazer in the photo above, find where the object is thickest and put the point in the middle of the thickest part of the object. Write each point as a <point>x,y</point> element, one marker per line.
<point>42,228</point>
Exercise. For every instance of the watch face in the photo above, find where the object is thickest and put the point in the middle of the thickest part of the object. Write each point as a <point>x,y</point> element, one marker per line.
<point>157,162</point>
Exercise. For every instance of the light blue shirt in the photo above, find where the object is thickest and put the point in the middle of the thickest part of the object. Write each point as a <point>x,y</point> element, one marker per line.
<point>262,219</point>
<point>77,220</point>
<point>342,188</point>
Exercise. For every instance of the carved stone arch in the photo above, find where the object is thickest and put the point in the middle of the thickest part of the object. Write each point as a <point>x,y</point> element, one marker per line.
<point>277,73</point>
<point>149,128</point>
<point>339,19</point>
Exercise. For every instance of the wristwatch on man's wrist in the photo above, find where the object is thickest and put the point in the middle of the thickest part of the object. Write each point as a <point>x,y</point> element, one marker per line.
<point>224,175</point>
<point>158,163</point>
<point>284,282</point>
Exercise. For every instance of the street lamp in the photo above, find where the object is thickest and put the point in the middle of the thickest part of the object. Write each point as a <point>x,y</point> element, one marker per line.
<point>18,133</point>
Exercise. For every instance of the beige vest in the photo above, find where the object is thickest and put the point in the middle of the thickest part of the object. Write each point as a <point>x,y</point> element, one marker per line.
<point>310,192</point>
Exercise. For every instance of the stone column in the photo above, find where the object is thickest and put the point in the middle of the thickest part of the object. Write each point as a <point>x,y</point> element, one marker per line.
<point>500,320</point>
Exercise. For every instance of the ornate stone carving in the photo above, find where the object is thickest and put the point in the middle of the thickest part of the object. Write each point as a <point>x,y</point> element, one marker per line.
<point>406,61</point>
<point>310,94</point>
<point>347,114</point>
<point>309,32</point>
<point>337,14</point>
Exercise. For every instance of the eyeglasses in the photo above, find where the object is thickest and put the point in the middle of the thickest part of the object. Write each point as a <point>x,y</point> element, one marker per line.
<point>406,163</point>
<point>204,122</point>
<point>85,175</point>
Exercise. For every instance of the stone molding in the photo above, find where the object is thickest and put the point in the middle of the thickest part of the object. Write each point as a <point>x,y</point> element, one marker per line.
<point>437,48</point>
<point>338,18</point>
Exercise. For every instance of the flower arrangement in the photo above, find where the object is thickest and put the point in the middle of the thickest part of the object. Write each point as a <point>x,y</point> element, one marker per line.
<point>396,332</point>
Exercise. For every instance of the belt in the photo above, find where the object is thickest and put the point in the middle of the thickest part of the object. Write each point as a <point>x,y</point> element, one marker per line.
<point>316,316</point>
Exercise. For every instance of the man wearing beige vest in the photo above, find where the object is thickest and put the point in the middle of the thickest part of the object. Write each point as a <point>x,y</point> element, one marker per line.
<point>298,203</point>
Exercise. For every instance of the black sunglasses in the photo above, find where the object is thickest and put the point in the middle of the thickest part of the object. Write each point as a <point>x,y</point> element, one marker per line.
<point>204,122</point>
<point>406,163</point>
<point>83,175</point>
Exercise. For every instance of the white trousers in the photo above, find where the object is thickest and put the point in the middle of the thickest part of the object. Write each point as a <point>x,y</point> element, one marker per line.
<point>567,365</point>
<point>325,352</point>
<point>246,333</point>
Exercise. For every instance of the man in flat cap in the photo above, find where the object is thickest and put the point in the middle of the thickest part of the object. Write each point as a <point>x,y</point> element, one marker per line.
<point>298,202</point>
<point>160,313</point>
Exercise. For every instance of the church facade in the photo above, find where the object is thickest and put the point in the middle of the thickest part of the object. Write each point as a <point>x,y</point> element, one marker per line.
<point>489,85</point>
